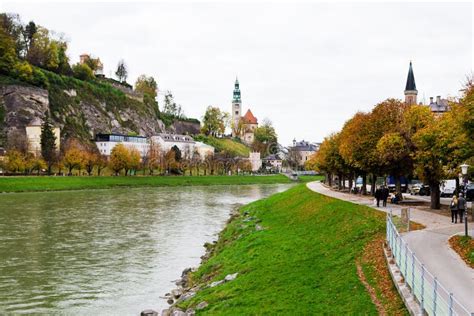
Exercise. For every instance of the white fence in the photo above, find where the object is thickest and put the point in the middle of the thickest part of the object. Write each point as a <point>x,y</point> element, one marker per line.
<point>433,297</point>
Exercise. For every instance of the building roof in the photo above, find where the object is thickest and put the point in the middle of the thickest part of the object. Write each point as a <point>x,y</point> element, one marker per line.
<point>174,138</point>
<point>304,146</point>
<point>440,105</point>
<point>249,118</point>
<point>410,86</point>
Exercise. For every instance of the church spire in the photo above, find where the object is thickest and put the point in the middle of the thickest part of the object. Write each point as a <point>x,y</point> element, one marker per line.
<point>410,88</point>
<point>410,79</point>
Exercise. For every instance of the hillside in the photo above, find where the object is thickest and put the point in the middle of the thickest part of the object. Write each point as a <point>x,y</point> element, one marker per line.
<point>296,253</point>
<point>81,108</point>
<point>228,145</point>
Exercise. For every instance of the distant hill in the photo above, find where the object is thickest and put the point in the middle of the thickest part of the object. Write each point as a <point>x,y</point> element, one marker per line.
<point>82,108</point>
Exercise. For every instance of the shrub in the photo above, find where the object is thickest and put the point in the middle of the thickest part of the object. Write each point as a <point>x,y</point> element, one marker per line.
<point>39,78</point>
<point>24,71</point>
<point>82,72</point>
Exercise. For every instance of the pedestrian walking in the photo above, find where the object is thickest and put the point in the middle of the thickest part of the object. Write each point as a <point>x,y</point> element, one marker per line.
<point>385,193</point>
<point>461,206</point>
<point>378,195</point>
<point>454,209</point>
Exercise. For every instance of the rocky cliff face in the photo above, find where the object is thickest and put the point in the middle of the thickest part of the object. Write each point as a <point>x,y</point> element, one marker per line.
<point>80,114</point>
<point>183,127</point>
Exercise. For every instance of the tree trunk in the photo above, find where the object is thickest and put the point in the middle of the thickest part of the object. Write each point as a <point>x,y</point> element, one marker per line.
<point>329,179</point>
<point>339,181</point>
<point>435,196</point>
<point>364,184</point>
<point>398,184</point>
<point>373,184</point>
<point>351,182</point>
<point>343,182</point>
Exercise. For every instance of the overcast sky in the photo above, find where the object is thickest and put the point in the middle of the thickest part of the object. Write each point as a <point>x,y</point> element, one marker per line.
<point>307,67</point>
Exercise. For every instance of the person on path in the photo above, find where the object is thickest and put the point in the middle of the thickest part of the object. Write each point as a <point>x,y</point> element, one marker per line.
<point>385,193</point>
<point>378,196</point>
<point>461,206</point>
<point>454,209</point>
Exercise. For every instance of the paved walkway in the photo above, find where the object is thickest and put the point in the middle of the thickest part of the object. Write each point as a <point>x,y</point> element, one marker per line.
<point>430,245</point>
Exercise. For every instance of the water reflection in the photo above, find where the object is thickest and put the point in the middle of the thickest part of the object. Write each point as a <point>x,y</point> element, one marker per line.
<point>107,251</point>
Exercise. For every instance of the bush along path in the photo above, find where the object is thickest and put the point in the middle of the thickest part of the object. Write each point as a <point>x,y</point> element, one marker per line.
<point>298,253</point>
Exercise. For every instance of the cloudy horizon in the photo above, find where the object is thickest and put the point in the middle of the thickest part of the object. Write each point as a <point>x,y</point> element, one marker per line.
<point>307,67</point>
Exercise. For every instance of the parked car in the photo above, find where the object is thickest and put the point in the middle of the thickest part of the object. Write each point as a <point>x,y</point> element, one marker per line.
<point>420,189</point>
<point>447,188</point>
<point>470,192</point>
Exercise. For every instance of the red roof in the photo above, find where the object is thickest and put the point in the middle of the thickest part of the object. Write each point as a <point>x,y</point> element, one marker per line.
<point>249,118</point>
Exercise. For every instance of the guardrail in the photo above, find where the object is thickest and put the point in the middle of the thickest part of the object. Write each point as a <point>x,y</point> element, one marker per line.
<point>433,297</point>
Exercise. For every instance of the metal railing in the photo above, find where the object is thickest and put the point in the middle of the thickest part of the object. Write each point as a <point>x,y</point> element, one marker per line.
<point>433,297</point>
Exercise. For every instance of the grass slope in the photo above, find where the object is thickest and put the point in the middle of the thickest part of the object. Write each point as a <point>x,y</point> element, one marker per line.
<point>24,184</point>
<point>228,145</point>
<point>302,263</point>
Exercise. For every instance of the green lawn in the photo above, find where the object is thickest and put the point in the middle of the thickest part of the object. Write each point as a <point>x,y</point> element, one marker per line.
<point>24,184</point>
<point>303,262</point>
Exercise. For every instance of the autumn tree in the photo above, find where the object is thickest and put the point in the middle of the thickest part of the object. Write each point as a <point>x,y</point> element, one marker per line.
<point>213,122</point>
<point>15,161</point>
<point>133,162</point>
<point>119,158</point>
<point>147,85</point>
<point>328,159</point>
<point>74,156</point>
<point>101,163</point>
<point>394,154</point>
<point>152,159</point>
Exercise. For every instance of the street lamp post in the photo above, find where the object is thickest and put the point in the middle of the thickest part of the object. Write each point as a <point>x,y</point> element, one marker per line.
<point>464,168</point>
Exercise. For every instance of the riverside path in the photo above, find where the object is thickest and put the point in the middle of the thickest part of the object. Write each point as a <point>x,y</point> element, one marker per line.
<point>430,244</point>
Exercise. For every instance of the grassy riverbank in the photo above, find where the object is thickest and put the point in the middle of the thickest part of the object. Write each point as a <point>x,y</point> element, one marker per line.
<point>299,253</point>
<point>30,184</point>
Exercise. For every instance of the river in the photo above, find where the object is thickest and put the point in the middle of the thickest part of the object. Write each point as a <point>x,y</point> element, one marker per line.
<point>110,251</point>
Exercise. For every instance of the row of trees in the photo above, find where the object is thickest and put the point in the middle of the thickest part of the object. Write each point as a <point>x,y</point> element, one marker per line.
<point>77,158</point>
<point>401,140</point>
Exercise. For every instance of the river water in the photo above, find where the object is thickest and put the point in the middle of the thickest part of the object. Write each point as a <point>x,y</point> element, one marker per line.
<point>107,252</point>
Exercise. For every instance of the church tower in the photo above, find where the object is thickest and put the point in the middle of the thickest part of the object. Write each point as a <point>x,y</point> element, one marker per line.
<point>410,88</point>
<point>236,108</point>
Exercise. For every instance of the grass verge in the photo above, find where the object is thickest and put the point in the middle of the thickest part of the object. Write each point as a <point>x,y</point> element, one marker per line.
<point>464,246</point>
<point>31,184</point>
<point>296,254</point>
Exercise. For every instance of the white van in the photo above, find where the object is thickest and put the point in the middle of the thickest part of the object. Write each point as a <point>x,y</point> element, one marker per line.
<point>447,187</point>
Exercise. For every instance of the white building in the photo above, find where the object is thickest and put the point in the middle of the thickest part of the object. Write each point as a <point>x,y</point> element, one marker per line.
<point>186,144</point>
<point>304,150</point>
<point>106,142</point>
<point>273,163</point>
<point>33,134</point>
<point>255,161</point>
